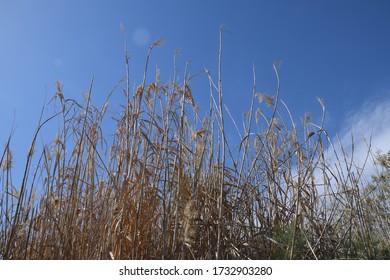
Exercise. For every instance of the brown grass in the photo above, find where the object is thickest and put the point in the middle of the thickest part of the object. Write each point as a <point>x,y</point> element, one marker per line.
<point>168,185</point>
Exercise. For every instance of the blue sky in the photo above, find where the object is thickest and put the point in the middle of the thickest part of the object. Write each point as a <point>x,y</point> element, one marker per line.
<point>336,50</point>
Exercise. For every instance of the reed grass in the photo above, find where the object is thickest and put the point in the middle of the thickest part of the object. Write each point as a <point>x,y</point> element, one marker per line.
<point>168,185</point>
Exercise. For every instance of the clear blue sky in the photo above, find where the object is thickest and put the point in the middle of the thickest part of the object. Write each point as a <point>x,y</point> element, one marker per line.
<point>337,50</point>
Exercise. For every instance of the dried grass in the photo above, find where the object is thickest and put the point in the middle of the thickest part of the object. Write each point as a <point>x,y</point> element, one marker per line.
<point>168,185</point>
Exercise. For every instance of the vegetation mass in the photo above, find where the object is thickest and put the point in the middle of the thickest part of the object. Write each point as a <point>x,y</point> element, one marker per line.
<point>168,185</point>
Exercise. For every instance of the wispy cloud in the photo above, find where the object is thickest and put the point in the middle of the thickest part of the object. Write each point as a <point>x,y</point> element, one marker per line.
<point>366,130</point>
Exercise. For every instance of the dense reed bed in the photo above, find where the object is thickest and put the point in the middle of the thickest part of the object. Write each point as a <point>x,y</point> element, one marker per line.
<point>168,185</point>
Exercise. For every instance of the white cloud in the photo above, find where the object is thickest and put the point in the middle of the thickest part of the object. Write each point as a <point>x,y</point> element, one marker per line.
<point>363,130</point>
